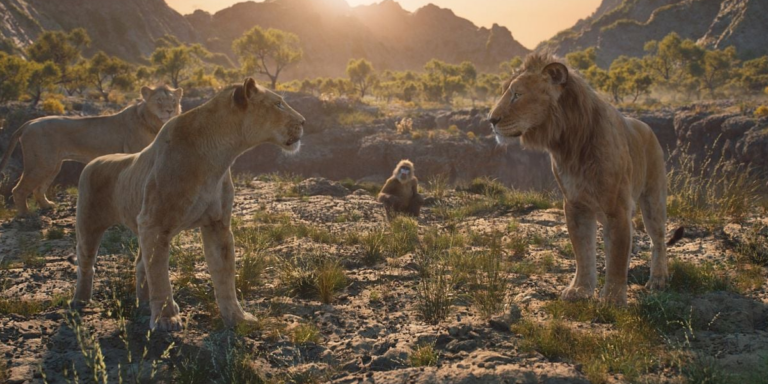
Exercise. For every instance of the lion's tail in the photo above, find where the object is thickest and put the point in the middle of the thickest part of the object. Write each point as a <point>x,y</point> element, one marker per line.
<point>12,145</point>
<point>679,233</point>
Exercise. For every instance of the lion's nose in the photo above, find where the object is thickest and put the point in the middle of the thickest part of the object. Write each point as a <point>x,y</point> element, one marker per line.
<point>494,120</point>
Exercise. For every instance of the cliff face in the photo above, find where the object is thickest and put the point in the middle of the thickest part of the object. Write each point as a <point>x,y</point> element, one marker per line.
<point>125,28</point>
<point>384,33</point>
<point>623,29</point>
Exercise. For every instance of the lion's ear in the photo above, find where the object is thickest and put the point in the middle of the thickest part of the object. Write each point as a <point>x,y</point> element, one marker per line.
<point>557,72</point>
<point>244,92</point>
<point>146,92</point>
<point>178,92</point>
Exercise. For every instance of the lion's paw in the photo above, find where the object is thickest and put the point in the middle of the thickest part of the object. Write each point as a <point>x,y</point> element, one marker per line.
<point>166,324</point>
<point>574,293</point>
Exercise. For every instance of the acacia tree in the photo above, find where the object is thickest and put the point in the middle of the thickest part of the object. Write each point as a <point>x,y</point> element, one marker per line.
<point>108,72</point>
<point>60,48</point>
<point>717,68</point>
<point>41,78</point>
<point>361,74</point>
<point>14,77</point>
<point>179,62</point>
<point>267,52</point>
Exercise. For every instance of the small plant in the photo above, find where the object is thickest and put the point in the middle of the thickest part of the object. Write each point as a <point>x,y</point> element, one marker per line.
<point>424,355</point>
<point>71,191</point>
<point>52,106</point>
<point>30,252</point>
<point>490,284</point>
<point>434,296</point>
<point>405,125</point>
<point>754,246</point>
<point>55,233</point>
<point>330,279</point>
<point>405,236</point>
<point>252,266</point>
<point>438,185</point>
<point>454,130</point>
<point>374,245</point>
<point>417,135</point>
<point>691,278</point>
<point>305,333</point>
<point>761,111</point>
<point>471,136</point>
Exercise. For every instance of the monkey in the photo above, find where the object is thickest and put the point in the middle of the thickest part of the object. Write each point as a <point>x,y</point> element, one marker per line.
<point>400,192</point>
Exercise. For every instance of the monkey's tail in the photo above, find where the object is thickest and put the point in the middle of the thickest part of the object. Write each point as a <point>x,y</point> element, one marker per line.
<point>12,145</point>
<point>679,233</point>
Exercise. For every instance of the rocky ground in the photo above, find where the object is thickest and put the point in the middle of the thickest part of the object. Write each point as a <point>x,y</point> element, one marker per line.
<point>382,321</point>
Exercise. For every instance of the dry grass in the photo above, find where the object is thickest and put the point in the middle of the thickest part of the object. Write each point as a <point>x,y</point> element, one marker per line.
<point>424,355</point>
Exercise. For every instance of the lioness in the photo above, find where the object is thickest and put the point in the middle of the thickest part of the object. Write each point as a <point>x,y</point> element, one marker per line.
<point>48,141</point>
<point>181,181</point>
<point>604,163</point>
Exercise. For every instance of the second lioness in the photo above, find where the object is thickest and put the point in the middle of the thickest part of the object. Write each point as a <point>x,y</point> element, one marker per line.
<point>181,181</point>
<point>49,141</point>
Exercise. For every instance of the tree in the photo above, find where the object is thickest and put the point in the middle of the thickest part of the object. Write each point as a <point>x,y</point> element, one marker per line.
<point>63,49</point>
<point>627,77</point>
<point>508,68</point>
<point>718,68</point>
<point>267,52</point>
<point>582,60</point>
<point>108,72</point>
<point>674,62</point>
<point>177,62</point>
<point>361,74</point>
<point>41,78</point>
<point>77,76</point>
<point>14,77</point>
<point>753,74</point>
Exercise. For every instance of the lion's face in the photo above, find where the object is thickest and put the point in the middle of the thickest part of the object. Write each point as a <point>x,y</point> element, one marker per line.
<point>163,102</point>
<point>269,118</point>
<point>527,100</point>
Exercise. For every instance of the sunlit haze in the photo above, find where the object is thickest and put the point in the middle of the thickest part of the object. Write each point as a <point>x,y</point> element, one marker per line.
<point>530,21</point>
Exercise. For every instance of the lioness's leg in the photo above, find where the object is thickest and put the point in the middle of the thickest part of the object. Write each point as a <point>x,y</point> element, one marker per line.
<point>219,248</point>
<point>20,192</point>
<point>582,229</point>
<point>42,189</point>
<point>142,287</point>
<point>155,247</point>
<point>653,206</point>
<point>618,235</point>
<point>88,239</point>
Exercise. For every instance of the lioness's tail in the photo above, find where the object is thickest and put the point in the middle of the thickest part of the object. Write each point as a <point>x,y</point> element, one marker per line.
<point>679,233</point>
<point>12,145</point>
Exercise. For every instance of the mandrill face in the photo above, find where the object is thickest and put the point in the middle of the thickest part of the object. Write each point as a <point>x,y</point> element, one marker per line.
<point>404,173</point>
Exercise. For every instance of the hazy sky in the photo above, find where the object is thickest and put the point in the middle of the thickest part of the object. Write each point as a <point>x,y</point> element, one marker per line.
<point>530,21</point>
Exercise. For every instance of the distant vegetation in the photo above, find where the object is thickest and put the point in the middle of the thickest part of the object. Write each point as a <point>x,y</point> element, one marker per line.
<point>53,66</point>
<point>675,67</point>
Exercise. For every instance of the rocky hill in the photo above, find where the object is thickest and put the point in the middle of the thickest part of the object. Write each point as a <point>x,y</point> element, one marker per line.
<point>331,33</point>
<point>126,28</point>
<point>623,28</point>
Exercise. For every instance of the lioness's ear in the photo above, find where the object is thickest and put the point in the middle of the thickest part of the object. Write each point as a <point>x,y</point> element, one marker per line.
<point>178,92</point>
<point>146,92</point>
<point>557,72</point>
<point>505,85</point>
<point>245,91</point>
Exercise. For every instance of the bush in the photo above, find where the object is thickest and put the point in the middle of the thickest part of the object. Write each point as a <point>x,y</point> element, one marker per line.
<point>53,106</point>
<point>761,111</point>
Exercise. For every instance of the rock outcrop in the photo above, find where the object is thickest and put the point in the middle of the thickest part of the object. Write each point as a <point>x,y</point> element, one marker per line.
<point>625,28</point>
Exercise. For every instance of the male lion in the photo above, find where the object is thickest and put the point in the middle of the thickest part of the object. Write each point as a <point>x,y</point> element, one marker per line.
<point>48,141</point>
<point>603,162</point>
<point>181,181</point>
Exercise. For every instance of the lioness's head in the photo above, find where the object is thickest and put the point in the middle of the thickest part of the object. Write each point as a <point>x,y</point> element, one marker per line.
<point>163,101</point>
<point>529,98</point>
<point>268,118</point>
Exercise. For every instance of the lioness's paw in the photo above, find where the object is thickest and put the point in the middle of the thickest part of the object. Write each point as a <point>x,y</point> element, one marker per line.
<point>616,296</point>
<point>166,324</point>
<point>656,283</point>
<point>574,293</point>
<point>77,304</point>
